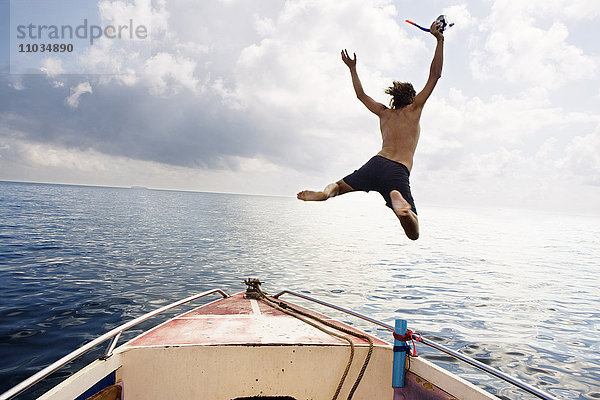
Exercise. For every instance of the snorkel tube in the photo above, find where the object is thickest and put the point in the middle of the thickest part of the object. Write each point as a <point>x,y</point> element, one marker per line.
<point>440,20</point>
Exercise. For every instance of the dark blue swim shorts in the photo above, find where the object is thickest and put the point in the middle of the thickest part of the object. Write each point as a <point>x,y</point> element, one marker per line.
<point>382,175</point>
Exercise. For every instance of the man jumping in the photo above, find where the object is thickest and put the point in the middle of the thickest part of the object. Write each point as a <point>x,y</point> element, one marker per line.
<point>388,171</point>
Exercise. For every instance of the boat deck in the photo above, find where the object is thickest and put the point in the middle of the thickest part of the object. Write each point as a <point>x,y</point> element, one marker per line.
<point>238,348</point>
<point>239,321</point>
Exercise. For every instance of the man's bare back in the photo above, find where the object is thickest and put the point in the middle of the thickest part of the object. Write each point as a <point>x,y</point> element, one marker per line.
<point>388,172</point>
<point>400,132</point>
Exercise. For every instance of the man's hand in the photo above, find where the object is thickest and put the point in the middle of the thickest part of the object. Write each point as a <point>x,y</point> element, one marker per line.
<point>351,63</point>
<point>436,30</point>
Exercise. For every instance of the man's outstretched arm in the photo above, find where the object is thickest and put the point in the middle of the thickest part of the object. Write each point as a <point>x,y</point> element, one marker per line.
<point>435,71</point>
<point>372,105</point>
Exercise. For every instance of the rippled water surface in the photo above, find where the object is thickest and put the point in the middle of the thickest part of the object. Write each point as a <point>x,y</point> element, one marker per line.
<point>517,290</point>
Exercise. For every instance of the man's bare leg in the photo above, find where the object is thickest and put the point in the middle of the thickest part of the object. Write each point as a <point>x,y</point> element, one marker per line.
<point>408,219</point>
<point>331,190</point>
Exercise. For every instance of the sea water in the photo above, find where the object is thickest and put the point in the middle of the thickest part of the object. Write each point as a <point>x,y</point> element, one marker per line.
<point>517,290</point>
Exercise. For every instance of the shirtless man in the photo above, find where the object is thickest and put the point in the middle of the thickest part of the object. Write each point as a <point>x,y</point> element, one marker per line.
<point>388,171</point>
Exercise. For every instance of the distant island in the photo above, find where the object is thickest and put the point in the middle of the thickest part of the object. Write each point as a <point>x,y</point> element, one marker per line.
<point>139,187</point>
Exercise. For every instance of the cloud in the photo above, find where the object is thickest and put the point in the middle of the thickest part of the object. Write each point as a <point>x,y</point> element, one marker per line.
<point>500,120</point>
<point>125,52</point>
<point>264,26</point>
<point>27,161</point>
<point>183,129</point>
<point>52,66</point>
<point>527,42</point>
<point>524,136</point>
<point>77,92</point>
<point>298,75</point>
<point>16,83</point>
<point>579,9</point>
<point>460,16</point>
<point>582,157</point>
<point>166,74</point>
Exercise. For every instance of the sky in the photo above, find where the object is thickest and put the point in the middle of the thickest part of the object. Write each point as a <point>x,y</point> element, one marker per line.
<point>252,97</point>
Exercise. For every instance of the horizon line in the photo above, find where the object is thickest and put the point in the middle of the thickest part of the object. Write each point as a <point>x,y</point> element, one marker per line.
<point>141,187</point>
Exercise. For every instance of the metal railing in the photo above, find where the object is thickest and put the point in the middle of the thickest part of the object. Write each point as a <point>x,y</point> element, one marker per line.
<point>114,334</point>
<point>477,364</point>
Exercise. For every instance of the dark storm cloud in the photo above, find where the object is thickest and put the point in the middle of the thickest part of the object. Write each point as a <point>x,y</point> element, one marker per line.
<point>184,129</point>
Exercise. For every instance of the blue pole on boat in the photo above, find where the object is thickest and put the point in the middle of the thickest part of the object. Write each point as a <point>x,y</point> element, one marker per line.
<point>399,355</point>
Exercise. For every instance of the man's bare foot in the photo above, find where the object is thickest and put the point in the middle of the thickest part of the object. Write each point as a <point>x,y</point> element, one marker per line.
<point>309,195</point>
<point>408,219</point>
<point>400,206</point>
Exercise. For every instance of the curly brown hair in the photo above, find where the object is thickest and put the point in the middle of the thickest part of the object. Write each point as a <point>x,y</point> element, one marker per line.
<point>402,94</point>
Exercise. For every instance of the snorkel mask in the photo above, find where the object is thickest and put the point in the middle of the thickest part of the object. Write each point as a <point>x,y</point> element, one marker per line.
<point>440,20</point>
